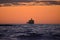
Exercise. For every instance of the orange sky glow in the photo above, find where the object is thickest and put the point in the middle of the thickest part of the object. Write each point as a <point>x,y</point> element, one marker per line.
<point>21,14</point>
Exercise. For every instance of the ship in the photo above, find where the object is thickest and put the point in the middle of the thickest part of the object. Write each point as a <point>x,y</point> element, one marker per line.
<point>31,21</point>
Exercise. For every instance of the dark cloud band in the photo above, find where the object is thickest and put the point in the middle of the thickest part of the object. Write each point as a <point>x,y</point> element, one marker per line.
<point>19,2</point>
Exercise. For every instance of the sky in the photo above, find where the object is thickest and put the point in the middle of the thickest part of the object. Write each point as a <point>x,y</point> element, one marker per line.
<point>46,14</point>
<point>21,14</point>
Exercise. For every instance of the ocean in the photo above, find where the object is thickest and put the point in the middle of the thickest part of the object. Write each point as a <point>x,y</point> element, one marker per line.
<point>30,32</point>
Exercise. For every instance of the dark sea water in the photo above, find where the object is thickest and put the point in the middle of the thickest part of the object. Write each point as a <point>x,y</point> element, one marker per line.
<point>30,32</point>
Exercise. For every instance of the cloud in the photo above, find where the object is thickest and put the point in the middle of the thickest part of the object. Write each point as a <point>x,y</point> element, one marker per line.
<point>10,1</point>
<point>16,2</point>
<point>55,2</point>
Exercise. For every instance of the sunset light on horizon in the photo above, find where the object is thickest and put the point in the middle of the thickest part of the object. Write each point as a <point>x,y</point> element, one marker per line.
<point>21,14</point>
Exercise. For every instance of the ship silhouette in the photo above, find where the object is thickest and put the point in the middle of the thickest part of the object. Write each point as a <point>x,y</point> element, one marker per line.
<point>31,21</point>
